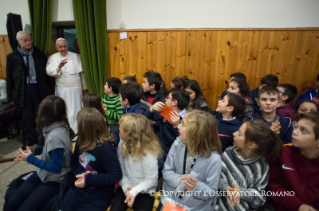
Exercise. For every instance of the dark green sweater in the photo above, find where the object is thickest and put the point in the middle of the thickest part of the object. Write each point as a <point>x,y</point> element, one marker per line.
<point>114,109</point>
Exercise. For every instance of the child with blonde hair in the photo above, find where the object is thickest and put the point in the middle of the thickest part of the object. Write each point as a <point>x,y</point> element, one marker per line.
<point>138,151</point>
<point>197,149</point>
<point>94,163</point>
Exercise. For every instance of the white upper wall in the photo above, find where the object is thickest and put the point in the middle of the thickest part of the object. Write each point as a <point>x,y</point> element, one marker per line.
<point>62,10</point>
<point>144,14</point>
<point>19,7</point>
<point>148,14</point>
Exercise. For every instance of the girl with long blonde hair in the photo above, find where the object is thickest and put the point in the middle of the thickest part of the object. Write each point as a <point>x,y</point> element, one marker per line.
<point>197,149</point>
<point>138,151</point>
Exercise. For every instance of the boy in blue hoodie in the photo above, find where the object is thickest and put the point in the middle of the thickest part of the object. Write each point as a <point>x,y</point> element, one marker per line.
<point>130,98</point>
<point>268,100</point>
<point>267,80</point>
<point>178,100</point>
<point>230,108</point>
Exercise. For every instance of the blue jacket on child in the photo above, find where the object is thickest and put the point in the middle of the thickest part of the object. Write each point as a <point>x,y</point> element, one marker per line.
<point>307,95</point>
<point>285,124</point>
<point>138,108</point>
<point>226,129</point>
<point>167,133</point>
<point>253,95</point>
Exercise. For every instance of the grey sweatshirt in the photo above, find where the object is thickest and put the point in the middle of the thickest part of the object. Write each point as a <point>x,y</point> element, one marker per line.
<point>56,136</point>
<point>201,198</point>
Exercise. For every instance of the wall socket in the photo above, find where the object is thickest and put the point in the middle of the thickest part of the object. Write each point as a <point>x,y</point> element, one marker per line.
<point>122,25</point>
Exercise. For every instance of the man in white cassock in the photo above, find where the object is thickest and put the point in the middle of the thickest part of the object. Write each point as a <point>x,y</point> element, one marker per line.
<point>70,83</point>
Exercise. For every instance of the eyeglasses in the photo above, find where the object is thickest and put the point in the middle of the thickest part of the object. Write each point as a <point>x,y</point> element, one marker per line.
<point>168,97</point>
<point>26,40</point>
<point>281,92</point>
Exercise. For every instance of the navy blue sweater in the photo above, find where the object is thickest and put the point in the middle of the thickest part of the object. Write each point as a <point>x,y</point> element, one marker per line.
<point>167,133</point>
<point>55,164</point>
<point>307,95</point>
<point>100,185</point>
<point>253,95</point>
<point>226,129</point>
<point>138,108</point>
<point>286,127</point>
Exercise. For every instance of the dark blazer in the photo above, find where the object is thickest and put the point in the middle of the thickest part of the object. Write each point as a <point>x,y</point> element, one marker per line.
<point>17,73</point>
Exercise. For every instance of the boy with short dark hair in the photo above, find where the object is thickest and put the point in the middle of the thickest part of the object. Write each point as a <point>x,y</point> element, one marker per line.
<point>293,177</point>
<point>230,108</point>
<point>111,101</point>
<point>287,93</point>
<point>130,98</point>
<point>178,100</point>
<point>129,78</point>
<point>152,88</point>
<point>267,80</point>
<point>237,75</point>
<point>268,101</point>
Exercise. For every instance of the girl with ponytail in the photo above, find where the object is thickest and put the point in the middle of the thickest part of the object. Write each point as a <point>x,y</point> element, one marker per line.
<point>245,168</point>
<point>56,134</point>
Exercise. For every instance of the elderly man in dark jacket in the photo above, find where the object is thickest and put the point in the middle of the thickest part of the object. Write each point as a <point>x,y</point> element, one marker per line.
<point>27,83</point>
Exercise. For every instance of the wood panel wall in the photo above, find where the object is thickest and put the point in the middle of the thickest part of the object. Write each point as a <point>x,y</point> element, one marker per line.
<point>210,56</point>
<point>5,49</point>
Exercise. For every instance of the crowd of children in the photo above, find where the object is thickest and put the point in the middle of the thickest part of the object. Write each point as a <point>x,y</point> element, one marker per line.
<point>254,151</point>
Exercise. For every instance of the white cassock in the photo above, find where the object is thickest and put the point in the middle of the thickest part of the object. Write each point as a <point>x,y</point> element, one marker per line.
<point>69,83</point>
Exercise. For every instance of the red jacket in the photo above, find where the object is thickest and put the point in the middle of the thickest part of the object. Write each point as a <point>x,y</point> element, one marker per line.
<point>294,172</point>
<point>286,111</point>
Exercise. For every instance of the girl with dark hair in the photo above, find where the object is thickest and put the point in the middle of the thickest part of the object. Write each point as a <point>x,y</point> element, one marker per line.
<point>245,168</point>
<point>304,106</point>
<point>197,100</point>
<point>179,82</point>
<point>53,125</point>
<point>91,100</point>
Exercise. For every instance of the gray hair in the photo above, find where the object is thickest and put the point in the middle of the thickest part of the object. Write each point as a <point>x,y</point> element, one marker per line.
<point>56,42</point>
<point>21,33</point>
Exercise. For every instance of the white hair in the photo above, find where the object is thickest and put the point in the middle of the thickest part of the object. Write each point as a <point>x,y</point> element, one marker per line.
<point>56,42</point>
<point>21,33</point>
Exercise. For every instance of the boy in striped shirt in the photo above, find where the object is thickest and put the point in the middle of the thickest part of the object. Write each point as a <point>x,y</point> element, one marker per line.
<point>111,102</point>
